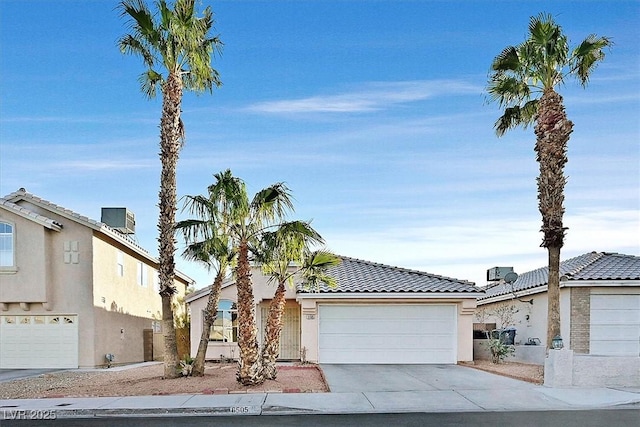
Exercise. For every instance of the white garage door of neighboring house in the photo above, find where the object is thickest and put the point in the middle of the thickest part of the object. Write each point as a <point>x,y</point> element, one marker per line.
<point>387,334</point>
<point>38,341</point>
<point>615,325</point>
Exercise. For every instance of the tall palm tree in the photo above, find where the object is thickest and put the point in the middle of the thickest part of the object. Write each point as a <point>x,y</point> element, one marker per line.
<point>283,254</point>
<point>175,46</point>
<point>523,81</point>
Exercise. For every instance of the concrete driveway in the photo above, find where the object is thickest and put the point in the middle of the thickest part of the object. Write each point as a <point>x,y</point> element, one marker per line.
<point>14,374</point>
<point>373,378</point>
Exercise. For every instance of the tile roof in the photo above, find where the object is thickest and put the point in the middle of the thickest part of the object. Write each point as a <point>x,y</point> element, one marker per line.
<point>592,266</point>
<point>23,194</point>
<point>358,276</point>
<point>11,200</point>
<point>26,213</point>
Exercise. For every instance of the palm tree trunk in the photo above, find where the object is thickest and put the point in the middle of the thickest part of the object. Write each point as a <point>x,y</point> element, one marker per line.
<point>552,135</point>
<point>553,295</point>
<point>170,142</point>
<point>209,315</point>
<point>249,365</point>
<point>273,330</point>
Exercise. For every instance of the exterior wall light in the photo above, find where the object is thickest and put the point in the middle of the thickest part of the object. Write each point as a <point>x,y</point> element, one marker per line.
<point>556,342</point>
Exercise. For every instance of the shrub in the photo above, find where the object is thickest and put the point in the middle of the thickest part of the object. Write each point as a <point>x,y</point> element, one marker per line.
<point>499,350</point>
<point>186,366</point>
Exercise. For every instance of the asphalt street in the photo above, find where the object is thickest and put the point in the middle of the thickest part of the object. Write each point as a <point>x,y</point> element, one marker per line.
<point>594,418</point>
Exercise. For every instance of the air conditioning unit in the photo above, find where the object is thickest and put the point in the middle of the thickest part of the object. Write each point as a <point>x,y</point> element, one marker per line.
<point>120,219</point>
<point>497,273</point>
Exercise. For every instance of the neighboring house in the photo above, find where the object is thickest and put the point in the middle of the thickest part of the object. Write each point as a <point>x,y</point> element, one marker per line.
<point>72,289</point>
<point>599,304</point>
<point>377,314</point>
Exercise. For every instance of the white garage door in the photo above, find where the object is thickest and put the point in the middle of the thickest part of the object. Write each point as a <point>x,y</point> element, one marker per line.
<point>38,341</point>
<point>387,334</point>
<point>615,325</point>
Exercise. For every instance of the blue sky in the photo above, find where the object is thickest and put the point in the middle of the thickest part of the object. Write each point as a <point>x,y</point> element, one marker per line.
<point>372,112</point>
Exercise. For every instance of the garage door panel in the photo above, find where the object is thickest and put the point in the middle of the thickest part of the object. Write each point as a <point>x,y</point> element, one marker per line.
<point>608,348</point>
<point>38,342</point>
<point>615,325</point>
<point>617,316</point>
<point>387,334</point>
<point>615,302</point>
<point>614,333</point>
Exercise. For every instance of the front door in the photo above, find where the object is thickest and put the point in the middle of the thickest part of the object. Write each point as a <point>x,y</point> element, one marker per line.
<point>290,336</point>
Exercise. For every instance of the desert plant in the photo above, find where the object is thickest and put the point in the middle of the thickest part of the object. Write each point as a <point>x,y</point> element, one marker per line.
<point>504,313</point>
<point>186,366</point>
<point>499,350</point>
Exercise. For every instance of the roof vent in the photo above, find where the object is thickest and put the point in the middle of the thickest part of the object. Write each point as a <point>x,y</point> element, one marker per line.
<point>498,273</point>
<point>120,219</point>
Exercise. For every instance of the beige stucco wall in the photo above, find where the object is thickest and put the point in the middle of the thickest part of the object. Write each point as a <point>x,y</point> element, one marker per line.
<point>26,282</point>
<point>119,334</point>
<point>530,320</point>
<point>123,294</point>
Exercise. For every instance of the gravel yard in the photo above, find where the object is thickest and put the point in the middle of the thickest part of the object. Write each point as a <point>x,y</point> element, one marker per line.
<point>147,380</point>
<point>519,371</point>
<point>218,378</point>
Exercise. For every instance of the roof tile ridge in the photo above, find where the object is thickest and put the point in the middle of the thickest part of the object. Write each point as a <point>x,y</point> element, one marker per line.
<point>27,212</point>
<point>30,196</point>
<point>590,260</point>
<point>409,270</point>
<point>25,195</point>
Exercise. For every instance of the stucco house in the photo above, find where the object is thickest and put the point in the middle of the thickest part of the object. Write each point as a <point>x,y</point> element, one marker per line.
<point>378,314</point>
<point>73,289</point>
<point>599,304</point>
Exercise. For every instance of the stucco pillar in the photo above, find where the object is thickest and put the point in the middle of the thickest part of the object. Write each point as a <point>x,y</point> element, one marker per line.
<point>466,311</point>
<point>309,330</point>
<point>558,368</point>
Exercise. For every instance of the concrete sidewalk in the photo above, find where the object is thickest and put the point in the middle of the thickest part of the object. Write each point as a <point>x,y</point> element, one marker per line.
<point>355,389</point>
<point>517,399</point>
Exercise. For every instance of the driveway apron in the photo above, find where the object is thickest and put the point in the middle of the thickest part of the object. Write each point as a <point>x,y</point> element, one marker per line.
<point>396,378</point>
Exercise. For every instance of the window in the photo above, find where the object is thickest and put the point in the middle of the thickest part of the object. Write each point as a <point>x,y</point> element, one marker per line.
<point>120,264</point>
<point>142,274</point>
<point>225,325</point>
<point>6,245</point>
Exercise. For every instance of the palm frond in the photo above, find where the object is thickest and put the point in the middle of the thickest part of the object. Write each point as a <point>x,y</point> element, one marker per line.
<point>540,63</point>
<point>587,55</point>
<point>271,203</point>
<point>507,60</point>
<point>314,271</point>
<point>175,37</point>
<point>150,81</point>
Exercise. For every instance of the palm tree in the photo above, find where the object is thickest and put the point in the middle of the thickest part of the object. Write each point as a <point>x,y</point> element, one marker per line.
<point>209,245</point>
<point>283,253</point>
<point>176,48</point>
<point>246,223</point>
<point>523,82</point>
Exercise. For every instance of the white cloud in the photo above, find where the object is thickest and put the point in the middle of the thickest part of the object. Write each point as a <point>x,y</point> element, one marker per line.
<point>372,97</point>
<point>465,250</point>
<point>107,165</point>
